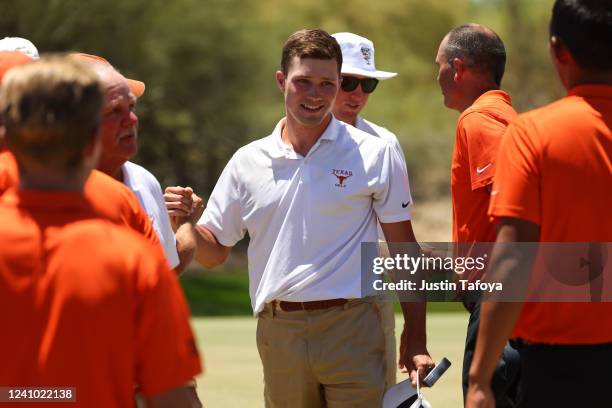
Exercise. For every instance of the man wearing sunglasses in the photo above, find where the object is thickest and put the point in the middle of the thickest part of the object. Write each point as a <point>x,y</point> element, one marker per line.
<point>359,79</point>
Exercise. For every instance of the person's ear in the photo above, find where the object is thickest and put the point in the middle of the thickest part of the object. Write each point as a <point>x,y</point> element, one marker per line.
<point>559,51</point>
<point>459,68</point>
<point>280,80</point>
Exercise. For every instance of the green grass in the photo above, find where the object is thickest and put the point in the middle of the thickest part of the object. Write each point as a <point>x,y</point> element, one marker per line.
<point>234,376</point>
<point>217,293</point>
<point>226,293</point>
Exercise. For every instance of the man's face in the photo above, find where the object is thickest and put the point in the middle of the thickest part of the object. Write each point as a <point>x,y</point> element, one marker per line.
<point>446,77</point>
<point>310,88</point>
<point>119,122</point>
<point>349,104</point>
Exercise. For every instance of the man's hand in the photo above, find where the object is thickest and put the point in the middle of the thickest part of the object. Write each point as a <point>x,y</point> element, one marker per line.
<point>479,396</point>
<point>183,205</point>
<point>413,358</point>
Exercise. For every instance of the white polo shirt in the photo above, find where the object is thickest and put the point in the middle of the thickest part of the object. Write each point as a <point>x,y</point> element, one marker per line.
<point>307,216</point>
<point>379,131</point>
<point>383,133</point>
<point>149,193</point>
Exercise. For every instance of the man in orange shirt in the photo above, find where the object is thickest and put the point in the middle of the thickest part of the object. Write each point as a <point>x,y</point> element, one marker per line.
<point>547,155</point>
<point>111,199</point>
<point>87,304</point>
<point>471,60</point>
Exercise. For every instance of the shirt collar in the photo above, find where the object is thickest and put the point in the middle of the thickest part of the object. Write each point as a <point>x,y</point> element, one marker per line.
<point>49,201</point>
<point>280,149</point>
<point>494,93</point>
<point>596,90</point>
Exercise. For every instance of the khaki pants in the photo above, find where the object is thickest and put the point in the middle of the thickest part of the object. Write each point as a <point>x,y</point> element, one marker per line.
<point>387,315</point>
<point>324,358</point>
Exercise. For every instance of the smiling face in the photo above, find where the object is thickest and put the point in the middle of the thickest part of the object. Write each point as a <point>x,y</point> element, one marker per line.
<point>446,77</point>
<point>349,104</point>
<point>119,122</point>
<point>310,87</point>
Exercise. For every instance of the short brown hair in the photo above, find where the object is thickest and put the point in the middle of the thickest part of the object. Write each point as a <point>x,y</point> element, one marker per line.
<point>480,48</point>
<point>316,44</point>
<point>51,109</point>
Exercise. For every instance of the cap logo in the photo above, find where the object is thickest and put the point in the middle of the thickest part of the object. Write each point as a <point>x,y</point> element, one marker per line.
<point>367,54</point>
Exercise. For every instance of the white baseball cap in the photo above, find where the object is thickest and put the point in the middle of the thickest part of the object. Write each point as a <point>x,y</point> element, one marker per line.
<point>19,44</point>
<point>358,56</point>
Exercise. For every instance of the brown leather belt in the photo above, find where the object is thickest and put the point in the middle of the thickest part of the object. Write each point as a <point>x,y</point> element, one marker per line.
<point>314,305</point>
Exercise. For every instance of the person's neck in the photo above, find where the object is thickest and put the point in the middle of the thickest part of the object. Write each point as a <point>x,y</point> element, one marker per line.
<point>112,168</point>
<point>589,78</point>
<point>351,120</point>
<point>46,179</point>
<point>475,93</point>
<point>302,138</point>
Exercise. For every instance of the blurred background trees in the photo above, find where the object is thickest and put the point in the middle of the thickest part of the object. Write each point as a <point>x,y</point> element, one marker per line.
<point>209,68</point>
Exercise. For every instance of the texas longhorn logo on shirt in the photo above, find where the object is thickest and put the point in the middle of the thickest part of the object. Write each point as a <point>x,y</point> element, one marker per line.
<point>342,175</point>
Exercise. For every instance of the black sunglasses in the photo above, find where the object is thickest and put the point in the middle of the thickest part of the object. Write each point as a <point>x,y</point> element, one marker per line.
<point>350,83</point>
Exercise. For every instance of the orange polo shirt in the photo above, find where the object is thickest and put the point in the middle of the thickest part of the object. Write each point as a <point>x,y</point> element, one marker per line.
<point>86,303</point>
<point>555,170</point>
<point>479,131</point>
<point>111,199</point>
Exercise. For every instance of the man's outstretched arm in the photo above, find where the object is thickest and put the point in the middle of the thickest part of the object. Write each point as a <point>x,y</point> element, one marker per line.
<point>185,209</point>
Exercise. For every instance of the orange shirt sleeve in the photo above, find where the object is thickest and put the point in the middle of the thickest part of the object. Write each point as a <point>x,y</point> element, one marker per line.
<point>137,219</point>
<point>167,356</point>
<point>516,191</point>
<point>479,136</point>
<point>123,205</point>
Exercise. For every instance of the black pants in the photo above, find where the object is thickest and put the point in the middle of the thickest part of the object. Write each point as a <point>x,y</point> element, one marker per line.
<point>505,383</point>
<point>566,376</point>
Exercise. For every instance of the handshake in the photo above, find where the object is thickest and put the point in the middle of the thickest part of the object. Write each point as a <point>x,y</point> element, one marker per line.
<point>183,205</point>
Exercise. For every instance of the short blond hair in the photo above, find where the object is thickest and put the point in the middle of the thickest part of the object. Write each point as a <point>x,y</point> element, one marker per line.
<point>51,109</point>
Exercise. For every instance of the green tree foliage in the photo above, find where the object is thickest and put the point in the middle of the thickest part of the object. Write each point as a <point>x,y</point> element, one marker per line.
<point>209,68</point>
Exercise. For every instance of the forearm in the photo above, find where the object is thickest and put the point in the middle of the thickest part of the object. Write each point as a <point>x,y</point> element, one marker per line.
<point>495,328</point>
<point>186,242</point>
<point>180,397</point>
<point>208,250</point>
<point>415,325</point>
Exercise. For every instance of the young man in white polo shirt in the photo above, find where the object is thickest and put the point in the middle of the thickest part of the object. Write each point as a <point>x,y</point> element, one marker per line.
<point>359,79</point>
<point>308,195</point>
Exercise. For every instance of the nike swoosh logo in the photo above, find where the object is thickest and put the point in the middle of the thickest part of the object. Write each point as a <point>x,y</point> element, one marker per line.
<point>405,205</point>
<point>479,170</point>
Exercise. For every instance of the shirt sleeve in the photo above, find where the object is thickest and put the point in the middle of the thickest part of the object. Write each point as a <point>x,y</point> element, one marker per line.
<point>137,219</point>
<point>480,136</point>
<point>223,213</point>
<point>392,197</point>
<point>165,228</point>
<point>166,351</point>
<point>397,148</point>
<point>516,190</point>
